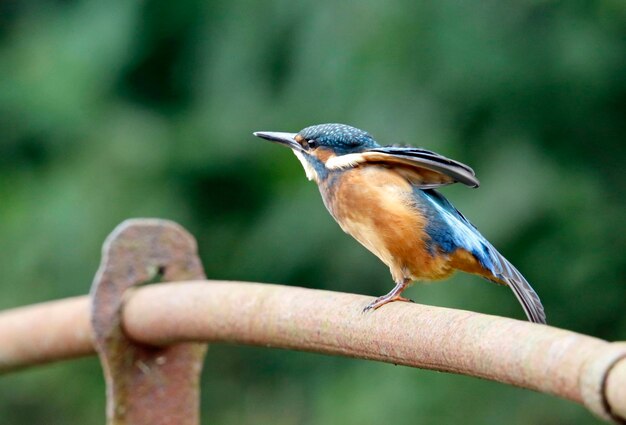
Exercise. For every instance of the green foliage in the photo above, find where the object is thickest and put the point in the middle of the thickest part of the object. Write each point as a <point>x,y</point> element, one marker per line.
<point>111,110</point>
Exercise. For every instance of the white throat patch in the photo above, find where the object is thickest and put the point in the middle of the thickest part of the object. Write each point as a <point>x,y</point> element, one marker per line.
<point>308,169</point>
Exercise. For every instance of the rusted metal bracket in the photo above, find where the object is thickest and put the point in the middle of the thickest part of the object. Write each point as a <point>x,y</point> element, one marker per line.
<point>145,384</point>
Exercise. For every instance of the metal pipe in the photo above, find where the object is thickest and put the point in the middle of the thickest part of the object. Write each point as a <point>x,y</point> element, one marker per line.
<point>577,367</point>
<point>46,332</point>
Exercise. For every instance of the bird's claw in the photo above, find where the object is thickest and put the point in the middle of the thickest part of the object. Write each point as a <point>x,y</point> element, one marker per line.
<point>381,301</point>
<point>368,307</point>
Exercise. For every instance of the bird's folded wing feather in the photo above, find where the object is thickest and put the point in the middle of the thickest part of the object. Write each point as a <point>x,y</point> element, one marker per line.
<point>525,294</point>
<point>422,167</point>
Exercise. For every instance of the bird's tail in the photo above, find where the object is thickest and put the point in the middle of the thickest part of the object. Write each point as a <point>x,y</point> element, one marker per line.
<point>506,273</point>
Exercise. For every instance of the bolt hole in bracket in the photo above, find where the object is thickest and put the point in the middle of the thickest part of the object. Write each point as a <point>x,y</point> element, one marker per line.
<point>145,385</point>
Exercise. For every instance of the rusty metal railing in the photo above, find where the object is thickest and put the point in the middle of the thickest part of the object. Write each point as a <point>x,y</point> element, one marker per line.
<point>151,339</point>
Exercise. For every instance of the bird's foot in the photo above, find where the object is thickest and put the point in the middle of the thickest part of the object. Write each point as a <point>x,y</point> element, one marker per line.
<point>381,301</point>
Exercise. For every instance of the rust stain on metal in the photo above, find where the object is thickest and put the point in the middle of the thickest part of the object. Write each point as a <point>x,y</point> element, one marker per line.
<point>145,384</point>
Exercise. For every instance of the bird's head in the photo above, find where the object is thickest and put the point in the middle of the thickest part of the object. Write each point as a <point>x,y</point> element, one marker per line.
<point>316,145</point>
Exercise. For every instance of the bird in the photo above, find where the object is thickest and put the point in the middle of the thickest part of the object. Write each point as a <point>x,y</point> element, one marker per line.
<point>386,197</point>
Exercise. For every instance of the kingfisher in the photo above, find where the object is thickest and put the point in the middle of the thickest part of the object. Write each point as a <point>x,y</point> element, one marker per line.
<point>386,198</point>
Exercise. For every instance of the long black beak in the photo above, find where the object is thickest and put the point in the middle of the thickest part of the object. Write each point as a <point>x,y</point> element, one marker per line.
<point>287,139</point>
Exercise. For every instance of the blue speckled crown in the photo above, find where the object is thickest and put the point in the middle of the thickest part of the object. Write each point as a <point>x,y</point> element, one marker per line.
<point>339,136</point>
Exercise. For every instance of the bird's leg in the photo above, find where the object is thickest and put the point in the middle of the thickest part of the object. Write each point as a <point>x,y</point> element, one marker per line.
<point>393,295</point>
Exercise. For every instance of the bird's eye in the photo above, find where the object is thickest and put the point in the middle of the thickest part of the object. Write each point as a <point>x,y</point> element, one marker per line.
<point>312,144</point>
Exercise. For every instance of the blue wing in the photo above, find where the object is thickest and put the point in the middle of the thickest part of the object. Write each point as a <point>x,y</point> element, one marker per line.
<point>450,230</point>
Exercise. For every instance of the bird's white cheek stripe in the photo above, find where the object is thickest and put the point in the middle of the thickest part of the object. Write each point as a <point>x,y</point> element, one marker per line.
<point>344,161</point>
<point>308,169</point>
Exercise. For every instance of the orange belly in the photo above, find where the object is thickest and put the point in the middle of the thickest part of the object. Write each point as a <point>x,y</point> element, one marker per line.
<point>375,205</point>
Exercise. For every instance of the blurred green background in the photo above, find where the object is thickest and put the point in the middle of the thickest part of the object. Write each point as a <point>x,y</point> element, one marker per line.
<point>117,109</point>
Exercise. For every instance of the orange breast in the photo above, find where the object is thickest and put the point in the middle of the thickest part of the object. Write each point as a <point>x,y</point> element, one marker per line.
<point>375,205</point>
